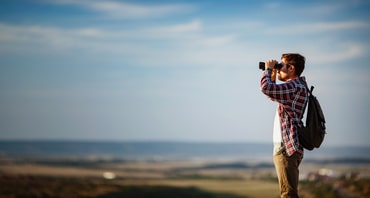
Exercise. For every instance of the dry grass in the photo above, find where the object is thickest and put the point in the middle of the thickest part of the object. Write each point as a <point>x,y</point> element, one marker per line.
<point>87,179</point>
<point>246,188</point>
<point>174,174</point>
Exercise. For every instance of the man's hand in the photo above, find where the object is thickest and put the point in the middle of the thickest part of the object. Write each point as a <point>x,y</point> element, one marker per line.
<point>271,64</point>
<point>273,75</point>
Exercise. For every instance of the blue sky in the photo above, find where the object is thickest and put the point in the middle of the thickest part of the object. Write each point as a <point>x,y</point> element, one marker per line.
<point>175,70</point>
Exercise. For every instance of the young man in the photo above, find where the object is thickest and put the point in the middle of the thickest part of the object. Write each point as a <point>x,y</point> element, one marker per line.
<point>291,96</point>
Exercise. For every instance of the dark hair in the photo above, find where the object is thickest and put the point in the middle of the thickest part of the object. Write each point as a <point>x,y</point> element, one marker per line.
<point>295,59</point>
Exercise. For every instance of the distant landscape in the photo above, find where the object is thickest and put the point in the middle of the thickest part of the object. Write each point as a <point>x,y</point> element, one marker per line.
<point>91,171</point>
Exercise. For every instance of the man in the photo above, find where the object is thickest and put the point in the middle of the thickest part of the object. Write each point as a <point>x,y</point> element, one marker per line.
<point>291,96</point>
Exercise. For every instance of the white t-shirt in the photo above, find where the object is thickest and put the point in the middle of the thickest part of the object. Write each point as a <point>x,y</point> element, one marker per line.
<point>277,139</point>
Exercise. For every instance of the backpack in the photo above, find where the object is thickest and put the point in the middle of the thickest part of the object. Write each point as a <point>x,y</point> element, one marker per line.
<point>312,135</point>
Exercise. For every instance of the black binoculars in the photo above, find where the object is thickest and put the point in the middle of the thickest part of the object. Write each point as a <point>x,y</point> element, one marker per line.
<point>276,66</point>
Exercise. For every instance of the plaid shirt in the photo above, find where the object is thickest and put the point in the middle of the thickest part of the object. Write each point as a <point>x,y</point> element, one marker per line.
<point>291,97</point>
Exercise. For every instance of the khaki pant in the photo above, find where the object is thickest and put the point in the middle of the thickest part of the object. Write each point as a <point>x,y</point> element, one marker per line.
<point>287,172</point>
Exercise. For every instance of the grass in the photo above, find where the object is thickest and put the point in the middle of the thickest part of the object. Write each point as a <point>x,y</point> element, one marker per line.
<point>145,179</point>
<point>320,189</point>
<point>252,188</point>
<point>165,192</point>
<point>41,186</point>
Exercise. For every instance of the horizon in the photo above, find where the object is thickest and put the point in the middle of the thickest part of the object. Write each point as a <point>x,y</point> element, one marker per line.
<point>163,151</point>
<point>267,143</point>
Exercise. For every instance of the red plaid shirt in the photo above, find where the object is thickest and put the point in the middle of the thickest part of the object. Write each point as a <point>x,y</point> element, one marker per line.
<point>291,97</point>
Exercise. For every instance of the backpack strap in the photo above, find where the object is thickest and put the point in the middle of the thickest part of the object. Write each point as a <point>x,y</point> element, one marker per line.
<point>310,94</point>
<point>309,91</point>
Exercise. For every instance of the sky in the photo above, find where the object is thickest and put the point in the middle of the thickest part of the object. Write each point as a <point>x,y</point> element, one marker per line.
<point>179,70</point>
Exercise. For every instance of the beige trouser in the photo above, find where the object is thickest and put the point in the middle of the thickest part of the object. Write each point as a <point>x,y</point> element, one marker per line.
<point>287,172</point>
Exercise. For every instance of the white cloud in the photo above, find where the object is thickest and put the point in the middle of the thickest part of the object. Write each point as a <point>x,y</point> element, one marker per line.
<point>34,36</point>
<point>17,32</point>
<point>343,52</point>
<point>124,10</point>
<point>186,38</point>
<point>192,26</point>
<point>318,27</point>
<point>187,43</point>
<point>317,10</point>
<point>219,40</point>
<point>322,9</point>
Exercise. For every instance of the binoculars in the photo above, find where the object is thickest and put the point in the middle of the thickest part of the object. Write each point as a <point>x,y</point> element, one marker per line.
<point>276,66</point>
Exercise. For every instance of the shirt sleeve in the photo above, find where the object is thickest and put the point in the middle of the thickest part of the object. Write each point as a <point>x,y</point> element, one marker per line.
<point>276,92</point>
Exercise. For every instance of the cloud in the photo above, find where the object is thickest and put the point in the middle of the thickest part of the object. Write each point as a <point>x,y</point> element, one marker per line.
<point>192,26</point>
<point>219,40</point>
<point>189,43</point>
<point>319,27</point>
<point>343,52</point>
<point>122,10</point>
<point>177,34</point>
<point>29,37</point>
<point>74,37</point>
<point>317,10</point>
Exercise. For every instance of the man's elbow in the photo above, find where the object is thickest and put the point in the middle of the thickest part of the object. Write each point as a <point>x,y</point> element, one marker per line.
<point>264,88</point>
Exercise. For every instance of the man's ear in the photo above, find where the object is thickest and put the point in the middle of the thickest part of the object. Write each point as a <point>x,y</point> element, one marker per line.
<point>291,68</point>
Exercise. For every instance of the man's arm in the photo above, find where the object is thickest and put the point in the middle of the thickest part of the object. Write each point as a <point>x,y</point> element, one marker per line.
<point>276,92</point>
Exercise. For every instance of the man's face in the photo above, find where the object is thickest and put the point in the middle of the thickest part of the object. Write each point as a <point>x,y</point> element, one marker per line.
<point>283,72</point>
